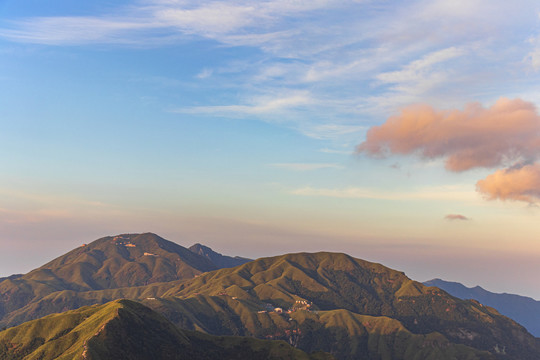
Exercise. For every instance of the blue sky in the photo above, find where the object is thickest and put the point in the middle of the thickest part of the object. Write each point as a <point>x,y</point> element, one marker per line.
<point>237,124</point>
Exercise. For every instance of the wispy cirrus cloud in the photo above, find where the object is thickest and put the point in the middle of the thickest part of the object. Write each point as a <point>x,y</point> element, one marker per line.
<point>307,166</point>
<point>331,131</point>
<point>258,106</point>
<point>336,151</point>
<point>66,30</point>
<point>417,69</point>
<point>452,193</point>
<point>205,73</point>
<point>351,67</point>
<point>417,79</point>
<point>533,57</point>
<point>36,207</point>
<point>165,20</point>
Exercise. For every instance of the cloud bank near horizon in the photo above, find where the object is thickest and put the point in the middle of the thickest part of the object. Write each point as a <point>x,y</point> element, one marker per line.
<point>507,134</point>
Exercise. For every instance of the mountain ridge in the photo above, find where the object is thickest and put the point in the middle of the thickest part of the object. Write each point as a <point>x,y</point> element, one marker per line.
<point>523,309</point>
<point>317,301</point>
<point>124,329</point>
<point>221,261</point>
<point>111,262</point>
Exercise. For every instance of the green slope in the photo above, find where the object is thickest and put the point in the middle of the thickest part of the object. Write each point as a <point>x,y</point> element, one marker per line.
<point>127,330</point>
<point>111,262</point>
<point>337,281</point>
<point>236,301</point>
<point>345,334</point>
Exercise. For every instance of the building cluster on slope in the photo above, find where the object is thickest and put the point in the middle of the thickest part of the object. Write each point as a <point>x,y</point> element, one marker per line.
<point>301,305</point>
<point>298,305</point>
<point>123,241</point>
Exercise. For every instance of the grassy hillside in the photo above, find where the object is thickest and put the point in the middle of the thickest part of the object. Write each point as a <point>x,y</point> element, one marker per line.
<point>345,334</point>
<point>111,262</point>
<point>332,281</point>
<point>338,304</point>
<point>127,330</point>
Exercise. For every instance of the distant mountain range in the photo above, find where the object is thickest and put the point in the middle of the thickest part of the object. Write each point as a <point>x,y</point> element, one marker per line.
<point>524,310</point>
<point>328,303</point>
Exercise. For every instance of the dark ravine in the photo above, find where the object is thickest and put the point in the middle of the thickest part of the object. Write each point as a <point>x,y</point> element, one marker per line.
<point>524,310</point>
<point>348,307</point>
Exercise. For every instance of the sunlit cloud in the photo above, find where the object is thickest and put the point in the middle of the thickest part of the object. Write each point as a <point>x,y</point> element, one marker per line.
<point>506,134</point>
<point>502,134</point>
<point>520,183</point>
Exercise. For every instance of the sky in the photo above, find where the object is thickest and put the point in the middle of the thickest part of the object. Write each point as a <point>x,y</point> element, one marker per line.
<point>400,132</point>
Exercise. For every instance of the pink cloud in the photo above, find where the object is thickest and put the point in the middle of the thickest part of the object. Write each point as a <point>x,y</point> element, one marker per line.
<point>522,184</point>
<point>456,217</point>
<point>507,132</point>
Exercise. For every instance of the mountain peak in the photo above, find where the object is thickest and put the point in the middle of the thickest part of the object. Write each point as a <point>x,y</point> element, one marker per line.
<point>221,261</point>
<point>126,260</point>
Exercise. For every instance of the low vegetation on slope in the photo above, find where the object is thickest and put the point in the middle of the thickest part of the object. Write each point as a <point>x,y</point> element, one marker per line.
<point>108,263</point>
<point>127,330</point>
<point>351,308</point>
<point>329,281</point>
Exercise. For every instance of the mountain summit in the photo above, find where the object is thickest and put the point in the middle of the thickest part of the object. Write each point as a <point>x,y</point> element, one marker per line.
<point>112,262</point>
<point>221,261</point>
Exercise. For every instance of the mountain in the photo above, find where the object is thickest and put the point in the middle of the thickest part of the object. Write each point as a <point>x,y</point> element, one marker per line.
<point>128,330</point>
<point>111,262</point>
<point>332,302</point>
<point>221,261</point>
<point>330,282</point>
<point>524,310</point>
<point>344,334</point>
